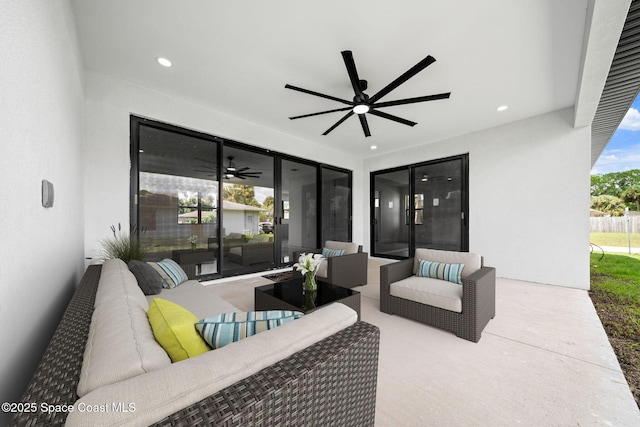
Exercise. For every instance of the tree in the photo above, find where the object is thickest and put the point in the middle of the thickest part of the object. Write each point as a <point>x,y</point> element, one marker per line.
<point>632,194</point>
<point>267,214</point>
<point>238,193</point>
<point>612,205</point>
<point>614,183</point>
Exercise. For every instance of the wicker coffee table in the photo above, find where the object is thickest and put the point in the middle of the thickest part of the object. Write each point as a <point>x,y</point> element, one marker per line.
<point>288,295</point>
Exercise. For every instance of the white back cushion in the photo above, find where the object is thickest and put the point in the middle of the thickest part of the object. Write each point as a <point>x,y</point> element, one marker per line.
<point>348,247</point>
<point>120,343</point>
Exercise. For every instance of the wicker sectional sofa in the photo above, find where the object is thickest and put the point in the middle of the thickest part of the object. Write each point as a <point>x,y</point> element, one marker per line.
<point>296,374</point>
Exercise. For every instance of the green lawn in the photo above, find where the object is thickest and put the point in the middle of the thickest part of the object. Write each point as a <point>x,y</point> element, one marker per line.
<point>615,282</point>
<point>615,239</point>
<point>615,292</point>
<point>618,274</point>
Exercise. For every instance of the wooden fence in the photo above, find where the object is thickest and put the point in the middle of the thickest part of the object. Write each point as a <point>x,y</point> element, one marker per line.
<point>615,224</point>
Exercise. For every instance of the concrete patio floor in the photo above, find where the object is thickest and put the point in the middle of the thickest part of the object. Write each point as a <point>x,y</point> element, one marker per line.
<point>545,359</point>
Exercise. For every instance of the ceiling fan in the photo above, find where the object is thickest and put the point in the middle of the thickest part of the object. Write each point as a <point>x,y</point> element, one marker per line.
<point>363,103</point>
<point>232,171</point>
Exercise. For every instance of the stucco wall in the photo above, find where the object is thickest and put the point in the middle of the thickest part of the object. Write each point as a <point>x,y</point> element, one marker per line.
<point>41,118</point>
<point>529,180</point>
<point>528,196</point>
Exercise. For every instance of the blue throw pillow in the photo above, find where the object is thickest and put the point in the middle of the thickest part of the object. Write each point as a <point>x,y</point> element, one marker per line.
<point>440,270</point>
<point>170,271</point>
<point>328,253</point>
<point>227,328</point>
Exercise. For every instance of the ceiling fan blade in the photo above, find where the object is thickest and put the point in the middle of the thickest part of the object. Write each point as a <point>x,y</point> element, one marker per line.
<point>242,169</point>
<point>404,77</point>
<point>321,112</point>
<point>347,56</point>
<point>392,117</point>
<point>365,125</point>
<point>412,100</point>
<point>339,122</point>
<point>321,95</point>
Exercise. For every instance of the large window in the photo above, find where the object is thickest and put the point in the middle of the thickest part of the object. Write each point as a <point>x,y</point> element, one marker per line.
<point>420,206</point>
<point>226,208</point>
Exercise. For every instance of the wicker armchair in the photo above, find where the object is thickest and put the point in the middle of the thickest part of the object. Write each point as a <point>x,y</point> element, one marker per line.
<point>478,299</point>
<point>346,270</point>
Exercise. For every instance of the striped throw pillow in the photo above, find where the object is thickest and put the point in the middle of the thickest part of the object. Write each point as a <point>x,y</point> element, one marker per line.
<point>224,329</point>
<point>172,274</point>
<point>440,270</point>
<point>328,253</point>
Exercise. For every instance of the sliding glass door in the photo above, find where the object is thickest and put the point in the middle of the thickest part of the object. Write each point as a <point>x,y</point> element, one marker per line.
<point>439,198</point>
<point>247,211</point>
<point>420,206</point>
<point>222,208</point>
<point>336,205</point>
<point>177,197</point>
<point>391,213</point>
<point>297,211</point>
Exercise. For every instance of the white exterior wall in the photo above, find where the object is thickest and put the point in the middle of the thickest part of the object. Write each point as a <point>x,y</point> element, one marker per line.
<point>529,180</point>
<point>41,118</point>
<point>109,103</point>
<point>528,196</point>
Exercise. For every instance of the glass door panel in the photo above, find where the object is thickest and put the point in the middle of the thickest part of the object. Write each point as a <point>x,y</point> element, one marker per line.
<point>247,211</point>
<point>336,205</point>
<point>391,214</point>
<point>178,198</point>
<point>438,205</point>
<point>298,222</point>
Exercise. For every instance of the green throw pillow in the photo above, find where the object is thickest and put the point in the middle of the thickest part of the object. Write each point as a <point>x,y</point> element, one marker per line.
<point>173,327</point>
<point>227,328</point>
<point>440,270</point>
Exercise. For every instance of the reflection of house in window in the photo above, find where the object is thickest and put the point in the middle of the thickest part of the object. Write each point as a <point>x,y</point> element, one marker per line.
<point>196,208</point>
<point>239,218</point>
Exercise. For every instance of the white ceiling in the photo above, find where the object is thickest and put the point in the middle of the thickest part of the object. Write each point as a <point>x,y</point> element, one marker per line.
<point>236,56</point>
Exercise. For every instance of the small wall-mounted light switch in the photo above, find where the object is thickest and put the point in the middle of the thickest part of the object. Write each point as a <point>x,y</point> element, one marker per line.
<point>436,202</point>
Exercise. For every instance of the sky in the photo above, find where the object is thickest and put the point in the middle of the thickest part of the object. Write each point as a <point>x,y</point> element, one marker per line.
<point>622,153</point>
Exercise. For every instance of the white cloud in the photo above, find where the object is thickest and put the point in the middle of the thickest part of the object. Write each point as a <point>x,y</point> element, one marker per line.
<point>631,120</point>
<point>618,160</point>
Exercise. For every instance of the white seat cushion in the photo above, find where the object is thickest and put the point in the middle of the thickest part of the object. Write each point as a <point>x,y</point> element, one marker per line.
<point>434,292</point>
<point>198,299</point>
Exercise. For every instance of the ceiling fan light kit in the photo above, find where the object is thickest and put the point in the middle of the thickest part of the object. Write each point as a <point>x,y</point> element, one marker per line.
<point>363,104</point>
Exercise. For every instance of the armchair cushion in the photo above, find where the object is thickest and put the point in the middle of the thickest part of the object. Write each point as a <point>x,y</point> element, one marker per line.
<point>328,253</point>
<point>440,270</point>
<point>433,292</point>
<point>347,247</point>
<point>472,262</point>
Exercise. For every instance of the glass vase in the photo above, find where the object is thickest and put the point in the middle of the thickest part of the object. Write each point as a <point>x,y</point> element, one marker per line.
<point>310,283</point>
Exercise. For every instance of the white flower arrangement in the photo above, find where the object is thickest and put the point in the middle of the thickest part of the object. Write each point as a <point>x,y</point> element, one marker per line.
<point>308,263</point>
<point>193,239</point>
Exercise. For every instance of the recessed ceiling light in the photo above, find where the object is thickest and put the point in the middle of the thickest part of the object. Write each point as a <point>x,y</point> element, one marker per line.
<point>164,62</point>
<point>502,108</point>
<point>374,147</point>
